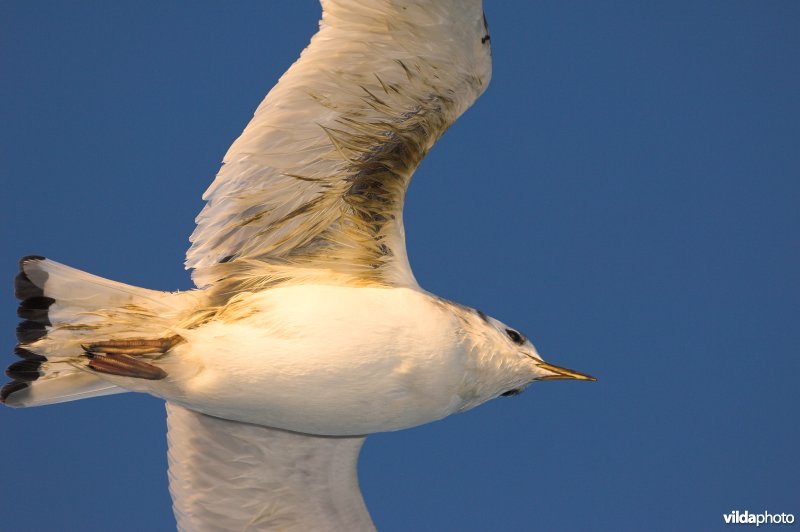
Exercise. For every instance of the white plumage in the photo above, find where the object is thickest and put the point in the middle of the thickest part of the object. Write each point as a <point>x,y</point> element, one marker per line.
<point>262,478</point>
<point>308,330</point>
<point>379,83</point>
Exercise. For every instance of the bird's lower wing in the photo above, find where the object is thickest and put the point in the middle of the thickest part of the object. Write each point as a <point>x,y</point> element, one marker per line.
<point>226,475</point>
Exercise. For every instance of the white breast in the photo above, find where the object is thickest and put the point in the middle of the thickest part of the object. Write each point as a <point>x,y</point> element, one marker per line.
<point>328,360</point>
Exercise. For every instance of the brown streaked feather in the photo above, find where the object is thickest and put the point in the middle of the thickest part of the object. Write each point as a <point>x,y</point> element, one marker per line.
<point>117,357</point>
<point>125,366</point>
<point>134,346</point>
<point>314,187</point>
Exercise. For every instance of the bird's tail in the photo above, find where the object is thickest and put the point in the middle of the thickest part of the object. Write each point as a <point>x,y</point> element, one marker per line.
<point>77,327</point>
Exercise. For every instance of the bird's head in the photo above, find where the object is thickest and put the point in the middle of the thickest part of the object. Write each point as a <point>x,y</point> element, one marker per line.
<point>512,359</point>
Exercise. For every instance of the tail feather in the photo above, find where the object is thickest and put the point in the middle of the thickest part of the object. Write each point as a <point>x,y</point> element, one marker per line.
<point>64,309</point>
<point>36,309</point>
<point>70,387</point>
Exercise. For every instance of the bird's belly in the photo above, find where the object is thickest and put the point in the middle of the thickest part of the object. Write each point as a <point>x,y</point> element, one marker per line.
<point>357,374</point>
<point>328,391</point>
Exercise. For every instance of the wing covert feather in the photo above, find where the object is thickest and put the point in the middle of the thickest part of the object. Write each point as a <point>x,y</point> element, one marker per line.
<point>226,475</point>
<point>318,177</point>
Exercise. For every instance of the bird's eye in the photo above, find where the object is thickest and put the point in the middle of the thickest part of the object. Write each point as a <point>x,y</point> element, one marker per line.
<point>515,336</point>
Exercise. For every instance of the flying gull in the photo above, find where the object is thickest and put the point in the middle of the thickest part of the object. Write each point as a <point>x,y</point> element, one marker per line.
<point>307,330</point>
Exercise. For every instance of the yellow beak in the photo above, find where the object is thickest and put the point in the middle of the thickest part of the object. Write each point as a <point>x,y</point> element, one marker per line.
<point>559,373</point>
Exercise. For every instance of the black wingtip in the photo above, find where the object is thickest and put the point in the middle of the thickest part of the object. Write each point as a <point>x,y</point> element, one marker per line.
<point>24,370</point>
<point>12,387</point>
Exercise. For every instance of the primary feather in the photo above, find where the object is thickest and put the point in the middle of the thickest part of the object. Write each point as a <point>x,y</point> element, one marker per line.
<point>315,184</point>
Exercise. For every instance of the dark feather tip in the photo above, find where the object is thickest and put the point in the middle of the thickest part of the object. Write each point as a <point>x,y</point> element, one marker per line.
<point>28,355</point>
<point>29,258</point>
<point>24,287</point>
<point>24,370</point>
<point>30,331</point>
<point>12,387</point>
<point>36,309</point>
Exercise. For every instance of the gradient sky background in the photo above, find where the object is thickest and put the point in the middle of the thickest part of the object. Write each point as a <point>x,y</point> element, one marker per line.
<point>626,193</point>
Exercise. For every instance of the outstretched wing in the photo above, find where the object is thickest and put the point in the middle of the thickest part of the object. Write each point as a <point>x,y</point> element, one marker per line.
<point>315,184</point>
<point>226,475</point>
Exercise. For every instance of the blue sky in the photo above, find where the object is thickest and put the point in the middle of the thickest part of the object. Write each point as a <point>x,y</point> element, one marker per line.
<point>626,193</point>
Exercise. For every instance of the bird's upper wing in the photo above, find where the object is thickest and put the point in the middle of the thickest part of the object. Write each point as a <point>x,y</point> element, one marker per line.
<point>226,475</point>
<point>315,183</point>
